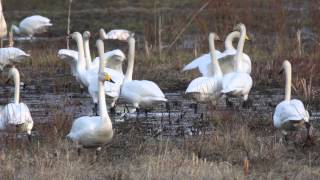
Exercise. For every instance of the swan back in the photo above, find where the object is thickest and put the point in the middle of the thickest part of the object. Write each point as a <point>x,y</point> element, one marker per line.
<point>34,24</point>
<point>289,110</point>
<point>116,34</point>
<point>11,55</point>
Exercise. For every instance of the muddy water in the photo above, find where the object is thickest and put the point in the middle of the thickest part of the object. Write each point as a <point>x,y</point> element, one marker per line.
<point>179,117</point>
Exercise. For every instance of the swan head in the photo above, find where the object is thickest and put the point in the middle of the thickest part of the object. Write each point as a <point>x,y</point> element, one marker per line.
<point>240,27</point>
<point>285,66</point>
<point>214,36</point>
<point>76,35</point>
<point>102,34</point>
<point>86,35</point>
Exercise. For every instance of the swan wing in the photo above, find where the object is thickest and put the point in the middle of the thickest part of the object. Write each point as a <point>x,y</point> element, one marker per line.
<point>83,126</point>
<point>143,88</point>
<point>11,55</point>
<point>292,110</point>
<point>17,114</point>
<point>236,82</point>
<point>202,60</point>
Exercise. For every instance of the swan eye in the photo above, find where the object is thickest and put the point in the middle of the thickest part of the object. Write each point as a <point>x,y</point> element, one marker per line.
<point>247,38</point>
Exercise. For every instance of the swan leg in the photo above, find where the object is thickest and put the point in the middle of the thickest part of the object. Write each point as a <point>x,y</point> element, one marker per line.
<point>81,89</point>
<point>195,107</point>
<point>29,138</point>
<point>95,108</point>
<point>98,152</point>
<point>168,108</point>
<point>228,103</point>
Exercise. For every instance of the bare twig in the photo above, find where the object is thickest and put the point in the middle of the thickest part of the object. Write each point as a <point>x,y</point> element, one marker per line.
<point>68,26</point>
<point>189,22</point>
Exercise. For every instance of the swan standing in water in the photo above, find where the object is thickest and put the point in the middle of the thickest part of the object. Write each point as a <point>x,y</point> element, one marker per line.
<point>290,112</point>
<point>225,59</point>
<point>140,93</point>
<point>204,88</point>
<point>32,25</point>
<point>238,83</point>
<point>11,55</point>
<point>16,113</point>
<point>94,131</point>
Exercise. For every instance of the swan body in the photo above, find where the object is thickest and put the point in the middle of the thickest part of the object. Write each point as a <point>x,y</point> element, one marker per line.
<point>87,75</point>
<point>140,93</point>
<point>289,110</point>
<point>11,55</point>
<point>3,24</point>
<point>32,25</point>
<point>116,34</point>
<point>238,82</point>
<point>209,88</point>
<point>94,131</point>
<point>16,113</point>
<point>226,61</point>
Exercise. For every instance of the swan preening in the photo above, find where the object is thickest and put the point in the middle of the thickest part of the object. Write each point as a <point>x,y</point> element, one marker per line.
<point>16,113</point>
<point>32,25</point>
<point>208,88</point>
<point>289,110</point>
<point>94,131</point>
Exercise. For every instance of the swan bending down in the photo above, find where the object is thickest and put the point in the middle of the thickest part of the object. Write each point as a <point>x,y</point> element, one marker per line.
<point>87,77</point>
<point>16,113</point>
<point>32,25</point>
<point>238,83</point>
<point>116,34</point>
<point>11,55</point>
<point>94,131</point>
<point>291,112</point>
<point>140,93</point>
<point>225,59</point>
<point>205,88</point>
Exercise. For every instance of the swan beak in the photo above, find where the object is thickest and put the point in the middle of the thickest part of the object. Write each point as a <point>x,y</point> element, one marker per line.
<point>69,36</point>
<point>107,77</point>
<point>281,71</point>
<point>247,38</point>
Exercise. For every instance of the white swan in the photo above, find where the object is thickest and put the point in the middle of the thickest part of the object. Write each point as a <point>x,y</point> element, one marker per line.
<point>116,34</point>
<point>113,63</point>
<point>87,77</point>
<point>239,82</point>
<point>290,111</point>
<point>3,24</point>
<point>205,88</point>
<point>70,57</point>
<point>32,25</point>
<point>203,63</point>
<point>16,113</point>
<point>140,93</point>
<point>11,55</point>
<point>94,131</point>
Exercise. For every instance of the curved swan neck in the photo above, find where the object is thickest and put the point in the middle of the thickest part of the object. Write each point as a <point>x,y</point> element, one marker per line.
<point>81,59</point>
<point>102,97</point>
<point>288,73</point>
<point>231,36</point>
<point>216,67</point>
<point>131,54</point>
<point>240,46</point>
<point>87,50</point>
<point>15,29</point>
<point>14,74</point>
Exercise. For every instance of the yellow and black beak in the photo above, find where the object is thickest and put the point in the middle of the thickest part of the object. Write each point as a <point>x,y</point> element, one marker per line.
<point>247,38</point>
<point>107,77</point>
<point>281,70</point>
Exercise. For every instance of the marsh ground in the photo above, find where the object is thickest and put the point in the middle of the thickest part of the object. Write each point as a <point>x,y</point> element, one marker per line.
<point>211,144</point>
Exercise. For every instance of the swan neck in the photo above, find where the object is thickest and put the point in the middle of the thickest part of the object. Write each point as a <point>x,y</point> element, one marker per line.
<point>228,42</point>
<point>215,64</point>
<point>239,55</point>
<point>14,73</point>
<point>15,29</point>
<point>131,55</point>
<point>87,53</point>
<point>288,74</point>
<point>81,57</point>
